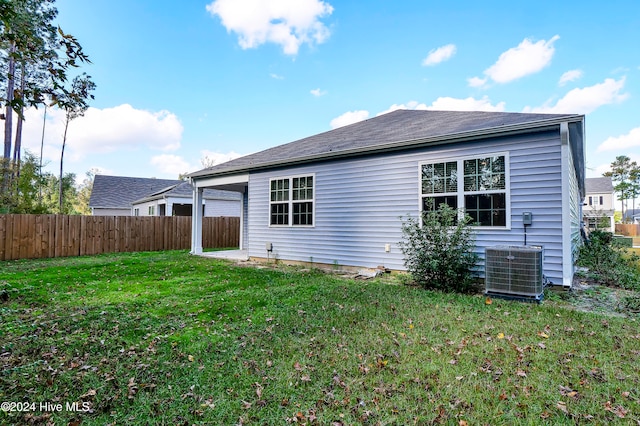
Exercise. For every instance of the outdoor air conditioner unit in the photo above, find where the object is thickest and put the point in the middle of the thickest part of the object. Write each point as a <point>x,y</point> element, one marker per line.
<point>514,272</point>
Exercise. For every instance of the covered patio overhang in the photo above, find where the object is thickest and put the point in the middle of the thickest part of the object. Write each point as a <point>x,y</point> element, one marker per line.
<point>235,183</point>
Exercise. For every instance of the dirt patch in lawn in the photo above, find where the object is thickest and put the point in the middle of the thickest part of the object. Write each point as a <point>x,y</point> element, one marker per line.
<point>589,296</point>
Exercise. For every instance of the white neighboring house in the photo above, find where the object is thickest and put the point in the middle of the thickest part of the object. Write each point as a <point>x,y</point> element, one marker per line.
<point>598,206</point>
<point>177,200</point>
<point>134,196</point>
<point>113,195</point>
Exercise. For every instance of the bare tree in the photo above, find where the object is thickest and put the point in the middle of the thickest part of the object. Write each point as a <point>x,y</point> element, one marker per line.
<point>74,102</point>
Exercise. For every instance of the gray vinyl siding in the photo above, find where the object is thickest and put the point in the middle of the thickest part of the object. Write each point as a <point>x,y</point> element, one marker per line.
<point>215,208</point>
<point>359,202</point>
<point>99,211</point>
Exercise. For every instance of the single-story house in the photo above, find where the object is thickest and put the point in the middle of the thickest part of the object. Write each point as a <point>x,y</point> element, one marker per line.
<point>599,204</point>
<point>338,197</point>
<point>135,196</point>
<point>113,195</point>
<point>176,200</point>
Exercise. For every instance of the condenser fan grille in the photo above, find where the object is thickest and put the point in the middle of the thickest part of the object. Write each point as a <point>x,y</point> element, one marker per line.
<point>514,271</point>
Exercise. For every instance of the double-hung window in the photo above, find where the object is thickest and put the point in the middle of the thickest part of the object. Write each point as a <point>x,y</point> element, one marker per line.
<point>291,201</point>
<point>439,185</point>
<point>596,201</point>
<point>476,186</point>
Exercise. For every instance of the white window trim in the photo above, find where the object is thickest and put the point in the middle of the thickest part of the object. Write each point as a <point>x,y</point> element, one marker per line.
<point>460,192</point>
<point>290,201</point>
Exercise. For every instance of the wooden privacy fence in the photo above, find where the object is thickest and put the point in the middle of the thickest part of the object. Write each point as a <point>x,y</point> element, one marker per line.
<point>25,236</point>
<point>628,229</point>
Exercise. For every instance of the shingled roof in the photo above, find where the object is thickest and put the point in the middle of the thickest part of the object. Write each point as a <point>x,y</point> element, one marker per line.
<point>399,129</point>
<point>185,190</point>
<point>118,192</point>
<point>599,185</point>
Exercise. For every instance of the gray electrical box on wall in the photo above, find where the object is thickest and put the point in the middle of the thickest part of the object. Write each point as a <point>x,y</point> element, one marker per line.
<point>527,218</point>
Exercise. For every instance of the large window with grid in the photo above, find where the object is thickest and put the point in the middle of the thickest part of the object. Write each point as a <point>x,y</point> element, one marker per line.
<point>291,201</point>
<point>476,186</point>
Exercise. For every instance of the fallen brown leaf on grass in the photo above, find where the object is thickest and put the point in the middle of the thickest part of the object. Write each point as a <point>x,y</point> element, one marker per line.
<point>619,411</point>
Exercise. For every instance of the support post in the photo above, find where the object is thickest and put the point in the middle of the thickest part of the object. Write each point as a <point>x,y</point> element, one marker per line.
<point>196,221</point>
<point>242,195</point>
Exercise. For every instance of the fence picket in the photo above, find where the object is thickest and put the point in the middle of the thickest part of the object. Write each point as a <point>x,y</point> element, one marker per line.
<point>42,236</point>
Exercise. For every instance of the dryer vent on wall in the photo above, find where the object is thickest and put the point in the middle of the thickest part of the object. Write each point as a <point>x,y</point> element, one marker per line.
<point>514,271</point>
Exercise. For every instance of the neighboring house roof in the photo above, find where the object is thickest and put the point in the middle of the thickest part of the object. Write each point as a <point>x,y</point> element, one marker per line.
<point>599,185</point>
<point>631,213</point>
<point>400,129</point>
<point>120,191</point>
<point>185,190</point>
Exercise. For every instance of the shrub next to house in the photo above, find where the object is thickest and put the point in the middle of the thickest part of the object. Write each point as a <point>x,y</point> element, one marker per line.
<point>439,250</point>
<point>608,262</point>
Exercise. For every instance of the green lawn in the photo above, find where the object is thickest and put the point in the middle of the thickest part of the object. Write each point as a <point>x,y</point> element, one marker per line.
<point>167,338</point>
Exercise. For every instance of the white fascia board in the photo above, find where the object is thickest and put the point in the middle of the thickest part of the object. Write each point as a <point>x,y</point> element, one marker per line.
<point>209,182</point>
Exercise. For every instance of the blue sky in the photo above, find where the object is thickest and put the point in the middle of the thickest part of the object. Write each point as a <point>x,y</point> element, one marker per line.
<point>179,81</point>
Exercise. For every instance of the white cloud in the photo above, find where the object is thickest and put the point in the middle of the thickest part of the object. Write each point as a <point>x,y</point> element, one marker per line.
<point>467,104</point>
<point>174,165</point>
<point>349,117</point>
<point>170,164</point>
<point>477,81</point>
<point>102,130</point>
<point>276,76</point>
<point>621,143</point>
<point>587,99</point>
<point>602,169</point>
<point>317,92</point>
<point>568,76</point>
<point>440,54</point>
<point>524,59</point>
<point>212,158</point>
<point>288,23</point>
<point>450,104</point>
<point>408,105</point>
<point>99,170</point>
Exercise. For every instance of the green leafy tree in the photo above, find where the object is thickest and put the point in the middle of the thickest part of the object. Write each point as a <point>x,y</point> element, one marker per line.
<point>36,192</point>
<point>35,58</point>
<point>622,170</point>
<point>634,179</point>
<point>83,193</point>
<point>51,193</point>
<point>28,183</point>
<point>21,197</point>
<point>439,250</point>
<point>29,38</point>
<point>24,194</point>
